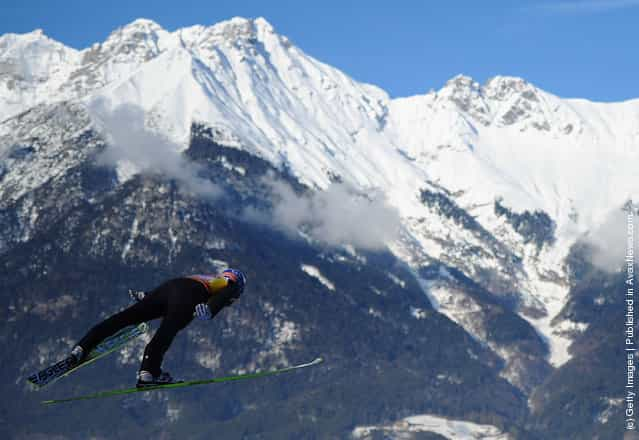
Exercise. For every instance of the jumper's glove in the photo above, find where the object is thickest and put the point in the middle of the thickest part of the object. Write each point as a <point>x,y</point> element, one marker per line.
<point>136,296</point>
<point>203,312</point>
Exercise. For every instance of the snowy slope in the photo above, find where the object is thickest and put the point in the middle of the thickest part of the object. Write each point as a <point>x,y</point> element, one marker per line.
<point>449,429</point>
<point>535,150</point>
<point>506,140</point>
<point>572,159</point>
<point>248,82</point>
<point>32,70</point>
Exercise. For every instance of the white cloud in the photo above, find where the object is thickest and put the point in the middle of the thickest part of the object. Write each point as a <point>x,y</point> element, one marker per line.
<point>613,239</point>
<point>133,146</point>
<point>337,216</point>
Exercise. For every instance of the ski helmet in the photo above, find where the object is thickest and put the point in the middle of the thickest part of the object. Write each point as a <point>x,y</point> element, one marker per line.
<point>237,277</point>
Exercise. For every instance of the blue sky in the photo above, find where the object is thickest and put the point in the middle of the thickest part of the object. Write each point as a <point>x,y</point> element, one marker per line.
<point>573,48</point>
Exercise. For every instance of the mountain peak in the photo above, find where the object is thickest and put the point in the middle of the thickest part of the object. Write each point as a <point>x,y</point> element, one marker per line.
<point>461,81</point>
<point>34,36</point>
<point>138,30</point>
<point>138,41</point>
<point>461,87</point>
<point>505,100</point>
<point>240,28</point>
<point>143,24</point>
<point>503,87</point>
<point>238,32</point>
<point>32,57</point>
<point>263,23</point>
<point>466,94</point>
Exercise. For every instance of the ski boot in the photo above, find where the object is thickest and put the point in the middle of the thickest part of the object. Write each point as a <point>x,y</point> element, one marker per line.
<point>77,356</point>
<point>146,379</point>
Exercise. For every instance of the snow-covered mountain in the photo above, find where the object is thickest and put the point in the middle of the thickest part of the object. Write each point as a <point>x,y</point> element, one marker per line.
<point>492,183</point>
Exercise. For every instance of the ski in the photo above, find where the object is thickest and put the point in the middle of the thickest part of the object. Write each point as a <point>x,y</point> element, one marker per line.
<point>101,394</point>
<point>66,366</point>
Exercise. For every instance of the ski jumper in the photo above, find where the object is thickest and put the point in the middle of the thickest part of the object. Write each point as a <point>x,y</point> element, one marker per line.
<point>174,301</point>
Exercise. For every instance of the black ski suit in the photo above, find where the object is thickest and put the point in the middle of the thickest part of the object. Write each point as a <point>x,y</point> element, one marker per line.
<point>174,302</point>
